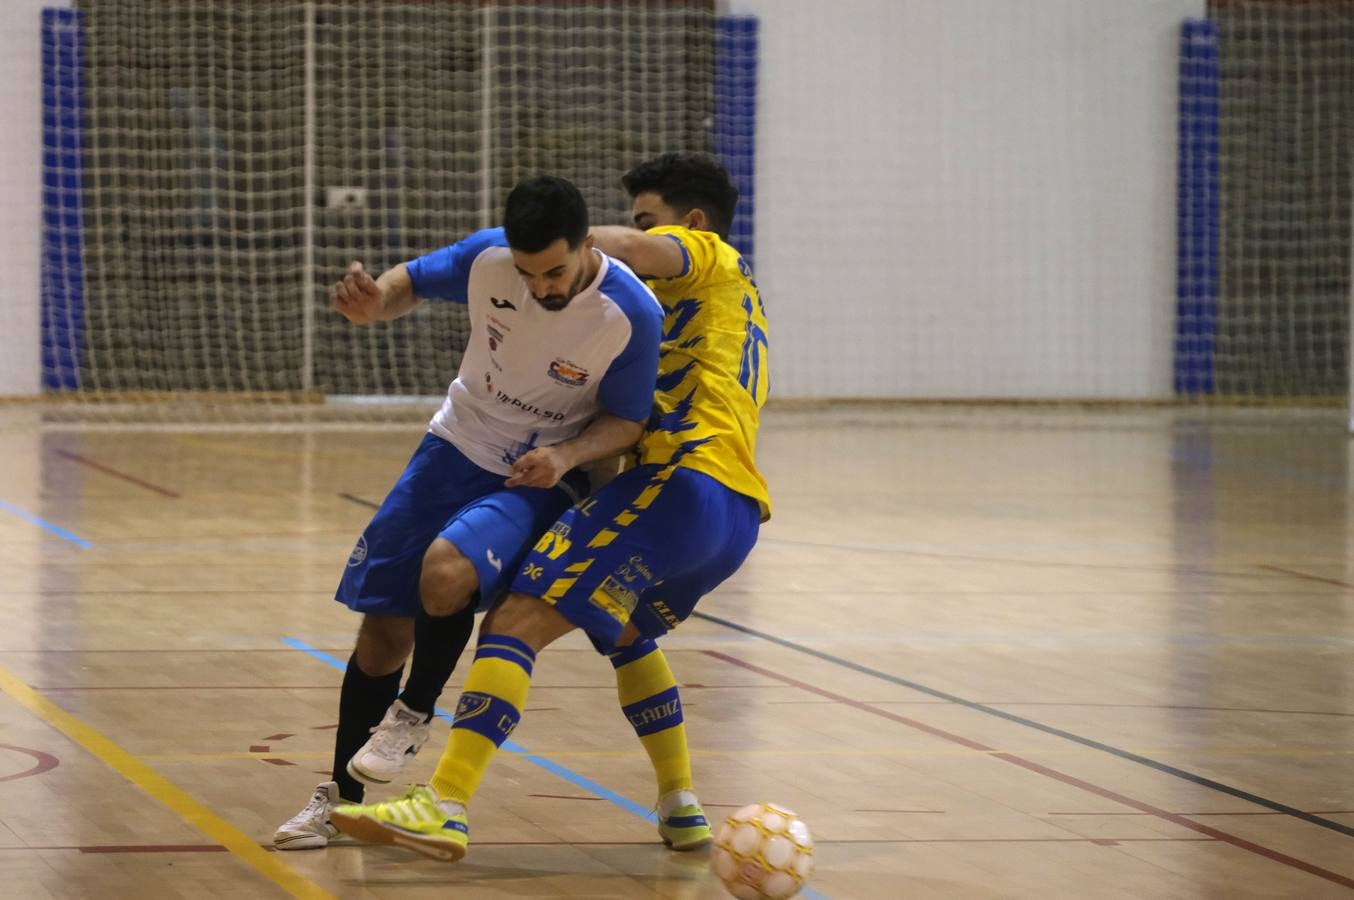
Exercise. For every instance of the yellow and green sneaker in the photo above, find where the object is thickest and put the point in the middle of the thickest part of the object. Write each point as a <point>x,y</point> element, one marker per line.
<point>418,820</point>
<point>685,826</point>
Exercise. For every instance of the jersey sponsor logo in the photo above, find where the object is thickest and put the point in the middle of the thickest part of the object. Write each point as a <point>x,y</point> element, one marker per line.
<point>502,304</point>
<point>615,599</point>
<point>632,569</point>
<point>568,373</point>
<point>667,614</point>
<point>495,337</point>
<point>552,545</point>
<point>512,401</point>
<point>533,571</point>
<point>359,554</point>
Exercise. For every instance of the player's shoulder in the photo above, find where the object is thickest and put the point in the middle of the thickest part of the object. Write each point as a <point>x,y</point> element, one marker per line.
<point>692,238</point>
<point>488,240</point>
<point>706,256</point>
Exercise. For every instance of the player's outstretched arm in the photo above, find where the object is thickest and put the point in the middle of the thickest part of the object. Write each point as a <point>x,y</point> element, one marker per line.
<point>605,436</point>
<point>650,255</point>
<point>362,299</point>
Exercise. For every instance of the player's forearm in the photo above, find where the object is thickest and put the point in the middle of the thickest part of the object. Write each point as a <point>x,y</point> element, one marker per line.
<point>606,435</point>
<point>397,293</point>
<point>650,255</point>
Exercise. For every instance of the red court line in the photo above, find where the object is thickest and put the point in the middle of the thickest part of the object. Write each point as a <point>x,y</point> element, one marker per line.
<point>150,848</point>
<point>191,687</point>
<point>1315,812</point>
<point>1306,577</point>
<point>166,492</point>
<point>1040,769</point>
<point>1248,709</point>
<point>43,762</point>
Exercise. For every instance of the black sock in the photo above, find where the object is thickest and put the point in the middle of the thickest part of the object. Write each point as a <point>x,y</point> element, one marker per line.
<point>363,701</point>
<point>439,642</point>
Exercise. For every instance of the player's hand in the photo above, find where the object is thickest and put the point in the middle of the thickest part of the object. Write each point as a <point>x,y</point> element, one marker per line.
<point>357,296</point>
<point>539,468</point>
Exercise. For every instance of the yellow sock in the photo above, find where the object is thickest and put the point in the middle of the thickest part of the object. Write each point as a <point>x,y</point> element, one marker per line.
<point>489,709</point>
<point>649,699</point>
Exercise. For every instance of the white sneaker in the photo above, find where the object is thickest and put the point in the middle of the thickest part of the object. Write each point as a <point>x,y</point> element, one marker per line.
<point>310,829</point>
<point>399,737</point>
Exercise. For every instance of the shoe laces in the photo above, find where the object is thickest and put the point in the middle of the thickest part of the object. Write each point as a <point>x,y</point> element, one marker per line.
<point>393,738</point>
<point>318,805</point>
<point>411,792</point>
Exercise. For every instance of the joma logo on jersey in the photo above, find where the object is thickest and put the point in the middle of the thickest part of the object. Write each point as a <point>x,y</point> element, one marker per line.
<point>566,372</point>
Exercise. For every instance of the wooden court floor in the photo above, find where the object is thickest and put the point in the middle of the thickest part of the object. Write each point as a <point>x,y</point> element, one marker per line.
<point>985,653</point>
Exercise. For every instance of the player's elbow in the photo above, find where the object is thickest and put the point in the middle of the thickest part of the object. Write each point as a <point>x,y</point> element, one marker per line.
<point>628,433</point>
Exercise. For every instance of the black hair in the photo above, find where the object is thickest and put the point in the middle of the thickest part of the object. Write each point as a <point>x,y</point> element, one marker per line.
<point>543,209</point>
<point>687,181</point>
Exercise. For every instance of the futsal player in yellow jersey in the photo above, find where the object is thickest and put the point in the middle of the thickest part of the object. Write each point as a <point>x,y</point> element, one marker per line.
<point>631,561</point>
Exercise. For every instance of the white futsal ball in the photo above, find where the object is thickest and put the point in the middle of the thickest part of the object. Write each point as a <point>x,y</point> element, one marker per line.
<point>763,852</point>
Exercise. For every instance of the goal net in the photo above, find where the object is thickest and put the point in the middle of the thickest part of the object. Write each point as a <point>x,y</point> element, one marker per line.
<point>223,162</point>
<point>1267,143</point>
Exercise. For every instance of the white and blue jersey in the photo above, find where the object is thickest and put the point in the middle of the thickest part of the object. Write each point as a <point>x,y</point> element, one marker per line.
<point>530,377</point>
<point>533,377</point>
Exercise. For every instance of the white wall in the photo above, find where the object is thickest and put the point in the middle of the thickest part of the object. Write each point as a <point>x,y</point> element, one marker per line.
<point>21,193</point>
<point>968,198</point>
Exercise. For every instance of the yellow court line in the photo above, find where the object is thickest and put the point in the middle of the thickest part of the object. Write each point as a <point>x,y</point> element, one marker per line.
<point>1243,752</point>
<point>161,789</point>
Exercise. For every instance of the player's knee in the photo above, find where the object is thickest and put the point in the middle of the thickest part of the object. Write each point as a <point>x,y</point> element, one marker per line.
<point>629,634</point>
<point>448,580</point>
<point>383,643</point>
<point>527,618</point>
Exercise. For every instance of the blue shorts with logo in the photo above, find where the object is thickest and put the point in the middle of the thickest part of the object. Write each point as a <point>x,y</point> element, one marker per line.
<point>442,493</point>
<point>643,549</point>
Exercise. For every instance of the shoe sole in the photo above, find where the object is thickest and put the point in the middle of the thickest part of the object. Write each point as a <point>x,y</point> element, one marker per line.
<point>691,845</point>
<point>374,832</point>
<point>301,842</point>
<point>364,776</point>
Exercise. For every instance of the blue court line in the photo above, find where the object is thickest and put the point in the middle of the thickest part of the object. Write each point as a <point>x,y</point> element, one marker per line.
<point>43,523</point>
<point>550,766</point>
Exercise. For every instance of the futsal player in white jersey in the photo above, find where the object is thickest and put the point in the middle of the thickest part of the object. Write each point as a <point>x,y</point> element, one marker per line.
<point>559,371</point>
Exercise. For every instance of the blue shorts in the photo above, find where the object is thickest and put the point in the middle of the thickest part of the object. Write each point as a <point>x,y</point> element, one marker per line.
<point>443,494</point>
<point>643,549</point>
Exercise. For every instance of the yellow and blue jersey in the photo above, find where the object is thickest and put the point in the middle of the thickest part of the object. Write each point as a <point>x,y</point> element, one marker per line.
<point>712,367</point>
